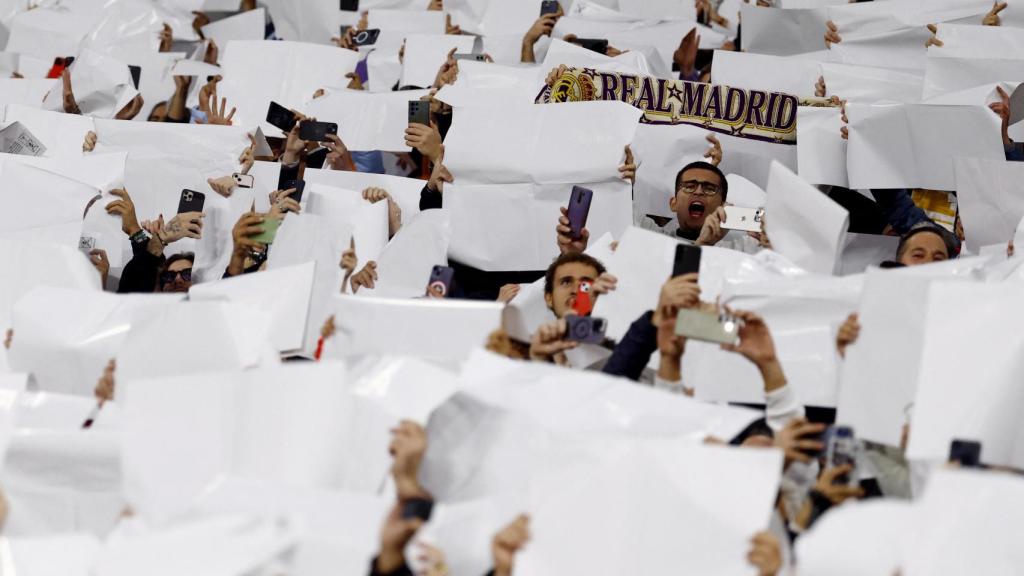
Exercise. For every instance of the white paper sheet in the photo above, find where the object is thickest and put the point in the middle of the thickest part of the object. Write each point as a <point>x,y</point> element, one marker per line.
<point>62,134</point>
<point>913,145</point>
<point>404,191</point>
<point>803,315</point>
<point>870,84</point>
<point>283,293</point>
<point>306,67</point>
<point>493,85</point>
<point>424,55</point>
<point>246,26</point>
<point>648,538</point>
<point>510,17</point>
<point>835,545</point>
<point>403,22</point>
<point>367,121</point>
<point>56,555</point>
<point>976,536</point>
<point>989,206</point>
<point>880,374</point>
<point>765,72</point>
<point>988,410</point>
<point>27,92</point>
<point>658,9</point>
<point>521,234</point>
<point>947,74</point>
<point>64,266</point>
<point>782,32</point>
<point>564,53</point>
<point>561,143</point>
<point>821,149</point>
<point>404,266</point>
<point>423,328</point>
<point>805,225</point>
<point>102,86</point>
<point>42,206</point>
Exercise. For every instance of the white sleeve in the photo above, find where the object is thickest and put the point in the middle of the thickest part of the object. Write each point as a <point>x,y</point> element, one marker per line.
<point>782,405</point>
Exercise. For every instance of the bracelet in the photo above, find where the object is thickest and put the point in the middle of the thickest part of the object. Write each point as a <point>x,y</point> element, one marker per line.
<point>139,237</point>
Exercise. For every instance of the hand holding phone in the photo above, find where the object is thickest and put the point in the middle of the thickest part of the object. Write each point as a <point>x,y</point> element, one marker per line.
<point>244,180</point>
<point>191,201</point>
<point>441,281</point>
<point>281,117</point>
<point>842,451</point>
<point>579,210</point>
<point>549,7</point>
<point>966,453</point>
<point>687,260</point>
<point>708,326</point>
<point>744,219</point>
<point>312,131</point>
<point>585,329</point>
<point>366,37</point>
<point>269,234</point>
<point>594,45</point>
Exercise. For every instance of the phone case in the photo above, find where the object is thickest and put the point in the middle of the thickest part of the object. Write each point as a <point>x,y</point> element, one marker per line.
<point>549,7</point>
<point>419,112</point>
<point>270,226</point>
<point>579,210</point>
<point>366,37</point>
<point>281,117</point>
<point>191,201</point>
<point>300,187</point>
<point>706,327</point>
<point>471,57</point>
<point>743,219</point>
<point>687,260</point>
<point>244,180</point>
<point>316,131</point>
<point>585,329</point>
<point>440,284</point>
<point>349,5</point>
<point>594,45</point>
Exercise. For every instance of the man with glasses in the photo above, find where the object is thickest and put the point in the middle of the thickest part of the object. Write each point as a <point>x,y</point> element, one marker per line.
<point>177,273</point>
<point>701,191</point>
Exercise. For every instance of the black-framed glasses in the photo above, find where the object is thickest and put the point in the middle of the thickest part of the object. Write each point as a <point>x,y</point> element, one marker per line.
<point>168,277</point>
<point>706,188</point>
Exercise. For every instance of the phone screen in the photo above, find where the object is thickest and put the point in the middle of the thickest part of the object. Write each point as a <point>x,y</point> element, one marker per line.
<point>687,260</point>
<point>349,6</point>
<point>281,117</point>
<point>316,131</point>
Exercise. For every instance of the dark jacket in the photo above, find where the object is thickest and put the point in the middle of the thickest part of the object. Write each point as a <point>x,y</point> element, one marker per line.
<point>633,352</point>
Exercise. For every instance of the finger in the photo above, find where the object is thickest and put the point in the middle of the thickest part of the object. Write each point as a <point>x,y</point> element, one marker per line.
<point>933,29</point>
<point>999,8</point>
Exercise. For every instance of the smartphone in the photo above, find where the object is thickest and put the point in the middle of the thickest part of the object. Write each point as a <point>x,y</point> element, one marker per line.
<point>441,281</point>
<point>311,131</point>
<point>366,37</point>
<point>419,112</point>
<point>708,326</point>
<point>317,158</point>
<point>594,45</point>
<point>136,72</point>
<point>59,65</point>
<point>584,303</point>
<point>579,209</point>
<point>842,451</point>
<point>745,219</point>
<point>270,226</point>
<point>244,180</point>
<point>585,329</point>
<point>705,57</point>
<point>349,6</point>
<point>417,508</point>
<point>191,201</point>
<point>966,452</point>
<point>549,7</point>
<point>687,260</point>
<point>471,57</point>
<point>281,117</point>
<point>300,187</point>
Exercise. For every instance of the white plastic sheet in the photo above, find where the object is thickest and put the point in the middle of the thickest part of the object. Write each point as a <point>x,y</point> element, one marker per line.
<point>249,87</point>
<point>782,32</point>
<point>404,191</point>
<point>42,206</point>
<point>102,86</point>
<point>367,121</point>
<point>869,84</point>
<point>988,410</point>
<point>27,92</point>
<point>804,225</point>
<point>835,545</point>
<point>62,134</point>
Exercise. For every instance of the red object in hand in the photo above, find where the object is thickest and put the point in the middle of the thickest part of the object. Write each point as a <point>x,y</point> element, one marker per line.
<point>584,305</point>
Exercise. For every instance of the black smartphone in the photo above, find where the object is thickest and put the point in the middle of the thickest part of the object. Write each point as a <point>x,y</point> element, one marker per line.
<point>281,117</point>
<point>585,329</point>
<point>442,279</point>
<point>300,187</point>
<point>366,37</point>
<point>472,57</point>
<point>417,508</point>
<point>705,57</point>
<point>311,131</point>
<point>548,7</point>
<point>687,260</point>
<point>419,112</point>
<point>191,201</point>
<point>594,45</point>
<point>966,452</point>
<point>349,5</point>
<point>579,209</point>
<point>317,158</point>
<point>136,75</point>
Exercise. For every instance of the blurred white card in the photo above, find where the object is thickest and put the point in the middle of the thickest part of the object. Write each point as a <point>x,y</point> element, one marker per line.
<point>821,149</point>
<point>988,200</point>
<point>405,264</point>
<point>424,55</point>
<point>247,25</point>
<point>492,85</point>
<point>804,224</point>
<point>404,191</point>
<point>41,264</point>
<point>764,72</point>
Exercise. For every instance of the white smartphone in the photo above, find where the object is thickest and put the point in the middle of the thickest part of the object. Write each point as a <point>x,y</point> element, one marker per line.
<point>708,326</point>
<point>244,180</point>
<point>745,219</point>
